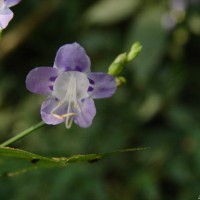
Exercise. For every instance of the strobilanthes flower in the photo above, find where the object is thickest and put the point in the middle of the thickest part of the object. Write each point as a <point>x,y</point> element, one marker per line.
<point>5,13</point>
<point>70,87</point>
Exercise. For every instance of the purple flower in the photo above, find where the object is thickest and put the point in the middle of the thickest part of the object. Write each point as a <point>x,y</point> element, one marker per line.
<point>5,13</point>
<point>70,87</point>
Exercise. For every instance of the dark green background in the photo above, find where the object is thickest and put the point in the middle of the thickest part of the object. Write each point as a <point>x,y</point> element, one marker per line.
<point>157,108</point>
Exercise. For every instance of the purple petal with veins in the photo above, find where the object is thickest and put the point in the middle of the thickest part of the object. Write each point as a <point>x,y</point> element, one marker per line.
<point>104,85</point>
<point>40,80</point>
<point>72,57</point>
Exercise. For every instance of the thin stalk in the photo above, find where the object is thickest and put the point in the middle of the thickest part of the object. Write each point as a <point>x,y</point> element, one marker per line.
<point>22,134</point>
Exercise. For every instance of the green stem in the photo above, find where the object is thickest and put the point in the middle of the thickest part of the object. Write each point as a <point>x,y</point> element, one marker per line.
<point>22,134</point>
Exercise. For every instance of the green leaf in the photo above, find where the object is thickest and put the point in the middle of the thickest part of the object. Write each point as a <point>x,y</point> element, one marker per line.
<point>110,11</point>
<point>149,31</point>
<point>16,161</point>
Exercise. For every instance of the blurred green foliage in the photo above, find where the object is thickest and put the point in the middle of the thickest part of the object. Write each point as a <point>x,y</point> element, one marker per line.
<point>158,107</point>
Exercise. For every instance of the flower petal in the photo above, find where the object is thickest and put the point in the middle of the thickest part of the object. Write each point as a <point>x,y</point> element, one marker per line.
<point>72,57</point>
<point>46,111</point>
<point>40,80</point>
<point>88,111</point>
<point>5,16</point>
<point>10,3</point>
<point>102,85</point>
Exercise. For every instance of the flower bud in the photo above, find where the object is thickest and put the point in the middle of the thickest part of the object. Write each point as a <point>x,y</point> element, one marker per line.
<point>134,51</point>
<point>117,65</point>
<point>120,80</point>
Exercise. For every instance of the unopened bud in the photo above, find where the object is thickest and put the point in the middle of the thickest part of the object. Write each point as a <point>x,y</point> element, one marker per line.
<point>117,65</point>
<point>134,51</point>
<point>120,80</point>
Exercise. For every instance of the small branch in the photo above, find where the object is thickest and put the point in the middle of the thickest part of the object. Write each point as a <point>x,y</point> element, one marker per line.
<point>22,134</point>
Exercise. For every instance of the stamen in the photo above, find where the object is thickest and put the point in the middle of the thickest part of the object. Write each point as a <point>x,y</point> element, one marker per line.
<point>67,123</point>
<point>69,114</point>
<point>63,116</point>
<point>58,116</point>
<point>53,111</point>
<point>70,87</point>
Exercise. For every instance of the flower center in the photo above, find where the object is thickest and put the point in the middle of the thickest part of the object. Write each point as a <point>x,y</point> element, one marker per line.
<point>70,88</point>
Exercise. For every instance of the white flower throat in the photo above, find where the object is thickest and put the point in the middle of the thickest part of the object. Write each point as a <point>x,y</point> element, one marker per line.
<point>2,4</point>
<point>70,88</point>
